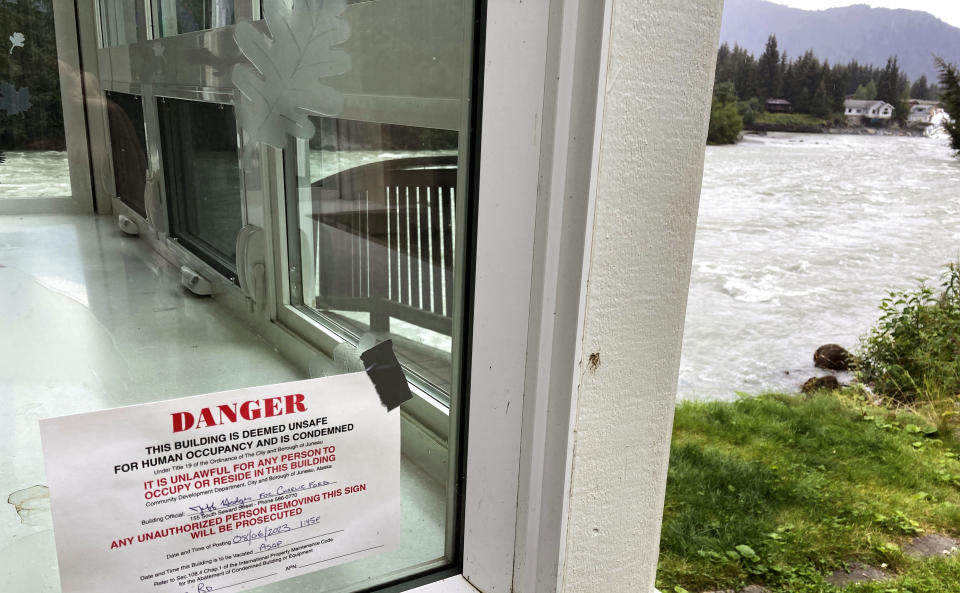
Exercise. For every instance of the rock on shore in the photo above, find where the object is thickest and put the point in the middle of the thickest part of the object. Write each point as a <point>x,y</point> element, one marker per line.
<point>832,357</point>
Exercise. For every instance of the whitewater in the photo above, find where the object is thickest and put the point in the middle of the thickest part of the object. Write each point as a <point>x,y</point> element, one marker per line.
<point>799,237</point>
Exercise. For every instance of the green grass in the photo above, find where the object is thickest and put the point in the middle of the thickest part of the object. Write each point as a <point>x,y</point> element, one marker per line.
<point>781,490</point>
<point>791,119</point>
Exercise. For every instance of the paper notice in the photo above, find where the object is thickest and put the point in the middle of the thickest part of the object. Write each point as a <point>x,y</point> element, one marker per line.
<point>226,491</point>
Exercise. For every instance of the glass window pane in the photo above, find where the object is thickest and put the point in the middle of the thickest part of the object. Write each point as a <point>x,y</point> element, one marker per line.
<point>376,194</point>
<point>122,22</point>
<point>129,148</point>
<point>32,140</point>
<point>378,204</point>
<point>184,16</point>
<point>202,175</point>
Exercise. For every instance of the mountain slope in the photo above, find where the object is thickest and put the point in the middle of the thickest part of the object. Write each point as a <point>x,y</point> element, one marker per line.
<point>868,35</point>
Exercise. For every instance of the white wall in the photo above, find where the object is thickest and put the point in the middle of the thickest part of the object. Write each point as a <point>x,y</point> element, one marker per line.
<point>660,65</point>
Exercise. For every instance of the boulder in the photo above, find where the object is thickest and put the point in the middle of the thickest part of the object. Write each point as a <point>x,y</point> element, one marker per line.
<point>825,383</point>
<point>833,357</point>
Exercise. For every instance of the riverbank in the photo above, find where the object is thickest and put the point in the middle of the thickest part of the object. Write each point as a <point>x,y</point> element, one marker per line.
<point>798,493</point>
<point>763,129</point>
<point>799,238</point>
<point>872,131</point>
<point>760,130</point>
<point>810,493</point>
<point>804,123</point>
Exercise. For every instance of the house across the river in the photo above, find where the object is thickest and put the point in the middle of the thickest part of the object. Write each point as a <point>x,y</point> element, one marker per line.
<point>922,113</point>
<point>779,106</point>
<point>859,111</point>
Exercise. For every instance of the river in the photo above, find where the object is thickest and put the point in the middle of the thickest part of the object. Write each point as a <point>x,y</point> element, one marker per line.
<point>799,237</point>
<point>34,174</point>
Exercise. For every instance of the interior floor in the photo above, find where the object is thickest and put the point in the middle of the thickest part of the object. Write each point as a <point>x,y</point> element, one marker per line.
<point>93,319</point>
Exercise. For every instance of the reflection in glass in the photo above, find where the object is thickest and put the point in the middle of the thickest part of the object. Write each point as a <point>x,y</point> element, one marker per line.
<point>122,22</point>
<point>376,214</point>
<point>202,174</point>
<point>184,16</point>
<point>32,137</point>
<point>129,148</point>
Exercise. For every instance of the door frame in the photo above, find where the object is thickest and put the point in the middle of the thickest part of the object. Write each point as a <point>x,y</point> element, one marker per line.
<point>73,95</point>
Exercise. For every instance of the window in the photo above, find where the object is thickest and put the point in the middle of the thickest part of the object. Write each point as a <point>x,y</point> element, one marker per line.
<point>363,208</point>
<point>122,22</point>
<point>185,16</point>
<point>372,205</point>
<point>32,134</point>
<point>373,208</point>
<point>128,148</point>
<point>202,174</point>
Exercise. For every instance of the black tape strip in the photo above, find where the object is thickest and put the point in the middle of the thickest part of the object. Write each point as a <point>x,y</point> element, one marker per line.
<point>384,370</point>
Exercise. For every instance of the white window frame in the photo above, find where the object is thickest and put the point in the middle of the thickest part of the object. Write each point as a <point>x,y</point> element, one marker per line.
<point>519,418</point>
<point>543,78</point>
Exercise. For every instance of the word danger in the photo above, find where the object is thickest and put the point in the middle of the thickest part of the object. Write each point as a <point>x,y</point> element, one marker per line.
<point>248,410</point>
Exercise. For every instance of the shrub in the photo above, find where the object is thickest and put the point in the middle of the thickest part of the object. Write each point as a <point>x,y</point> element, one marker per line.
<point>725,121</point>
<point>914,349</point>
<point>749,110</point>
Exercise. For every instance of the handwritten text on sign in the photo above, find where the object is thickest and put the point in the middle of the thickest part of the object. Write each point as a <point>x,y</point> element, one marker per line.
<point>226,491</point>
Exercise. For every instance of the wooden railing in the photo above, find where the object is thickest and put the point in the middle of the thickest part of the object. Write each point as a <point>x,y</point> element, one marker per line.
<point>385,240</point>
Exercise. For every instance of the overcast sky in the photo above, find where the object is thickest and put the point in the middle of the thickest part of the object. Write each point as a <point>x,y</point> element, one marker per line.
<point>945,10</point>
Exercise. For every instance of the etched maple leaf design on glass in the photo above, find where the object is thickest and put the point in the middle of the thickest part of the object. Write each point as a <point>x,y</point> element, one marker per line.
<point>13,100</point>
<point>16,40</point>
<point>281,87</point>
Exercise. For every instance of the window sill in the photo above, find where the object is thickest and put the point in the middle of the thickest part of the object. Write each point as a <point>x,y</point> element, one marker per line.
<point>456,584</point>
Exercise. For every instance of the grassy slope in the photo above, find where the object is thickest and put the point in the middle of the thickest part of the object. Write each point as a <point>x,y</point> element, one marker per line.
<point>800,119</point>
<point>788,122</point>
<point>807,484</point>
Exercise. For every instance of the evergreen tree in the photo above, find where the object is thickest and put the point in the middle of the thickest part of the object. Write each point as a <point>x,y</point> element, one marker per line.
<point>724,70</point>
<point>725,92</point>
<point>866,93</point>
<point>801,80</point>
<point>769,75</point>
<point>812,86</point>
<point>744,72</point>
<point>950,96</point>
<point>837,87</point>
<point>784,64</point>
<point>921,89</point>
<point>820,104</point>
<point>853,77</point>
<point>891,86</point>
<point>901,109</point>
<point>860,75</point>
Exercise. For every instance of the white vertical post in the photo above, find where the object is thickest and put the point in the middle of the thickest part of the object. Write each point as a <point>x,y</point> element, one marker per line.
<point>647,187</point>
